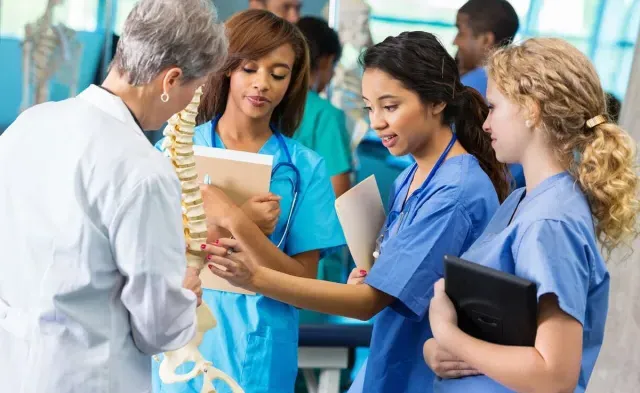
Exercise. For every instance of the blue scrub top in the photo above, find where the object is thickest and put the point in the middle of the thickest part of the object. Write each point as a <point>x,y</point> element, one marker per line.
<point>551,242</point>
<point>442,217</point>
<point>256,340</point>
<point>477,79</point>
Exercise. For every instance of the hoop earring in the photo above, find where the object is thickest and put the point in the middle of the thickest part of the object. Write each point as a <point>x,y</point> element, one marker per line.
<point>164,97</point>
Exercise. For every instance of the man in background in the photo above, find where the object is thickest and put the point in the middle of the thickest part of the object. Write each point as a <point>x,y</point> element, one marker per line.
<point>323,128</point>
<point>286,9</point>
<point>484,25</point>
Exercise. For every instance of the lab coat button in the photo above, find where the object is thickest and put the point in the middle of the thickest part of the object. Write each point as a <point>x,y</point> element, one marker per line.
<point>3,314</point>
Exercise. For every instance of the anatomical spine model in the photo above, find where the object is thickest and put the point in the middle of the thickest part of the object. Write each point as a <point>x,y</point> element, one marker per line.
<point>179,147</point>
<point>48,50</point>
<point>355,36</point>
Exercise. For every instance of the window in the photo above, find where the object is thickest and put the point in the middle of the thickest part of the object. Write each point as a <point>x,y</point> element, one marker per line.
<point>605,30</point>
<point>79,15</point>
<point>122,11</point>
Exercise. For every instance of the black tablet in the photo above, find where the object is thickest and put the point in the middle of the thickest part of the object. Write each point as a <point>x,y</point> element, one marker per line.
<point>492,305</point>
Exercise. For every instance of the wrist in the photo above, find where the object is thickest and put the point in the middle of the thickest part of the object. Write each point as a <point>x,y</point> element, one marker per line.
<point>233,219</point>
<point>258,279</point>
<point>446,335</point>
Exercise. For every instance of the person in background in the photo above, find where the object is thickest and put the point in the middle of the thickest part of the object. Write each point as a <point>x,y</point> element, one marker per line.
<point>92,248</point>
<point>484,25</point>
<point>323,128</point>
<point>548,112</point>
<point>286,9</point>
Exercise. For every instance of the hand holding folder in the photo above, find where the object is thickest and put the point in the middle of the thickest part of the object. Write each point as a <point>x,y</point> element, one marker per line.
<point>361,214</point>
<point>241,176</point>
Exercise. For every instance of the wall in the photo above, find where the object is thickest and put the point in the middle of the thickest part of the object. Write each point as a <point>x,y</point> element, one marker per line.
<point>11,63</point>
<point>227,8</point>
<point>11,75</point>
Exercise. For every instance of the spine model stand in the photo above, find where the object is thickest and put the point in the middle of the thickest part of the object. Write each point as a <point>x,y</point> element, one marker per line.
<point>48,51</point>
<point>178,145</point>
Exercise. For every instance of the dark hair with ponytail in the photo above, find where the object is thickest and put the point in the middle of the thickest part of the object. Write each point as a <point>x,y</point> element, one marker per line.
<point>419,61</point>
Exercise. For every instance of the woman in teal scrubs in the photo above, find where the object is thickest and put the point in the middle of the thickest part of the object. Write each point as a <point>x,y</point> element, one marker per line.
<point>549,114</point>
<point>254,104</point>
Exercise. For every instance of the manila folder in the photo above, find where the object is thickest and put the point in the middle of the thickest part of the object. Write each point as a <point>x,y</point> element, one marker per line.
<point>361,215</point>
<point>240,175</point>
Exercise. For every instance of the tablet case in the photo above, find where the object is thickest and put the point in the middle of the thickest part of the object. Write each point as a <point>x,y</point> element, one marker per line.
<point>492,305</point>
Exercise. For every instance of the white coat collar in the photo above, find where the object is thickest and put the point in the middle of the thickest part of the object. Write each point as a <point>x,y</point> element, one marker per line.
<point>110,104</point>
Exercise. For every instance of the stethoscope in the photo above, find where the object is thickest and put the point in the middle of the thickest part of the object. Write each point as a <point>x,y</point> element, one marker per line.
<point>295,184</point>
<point>438,164</point>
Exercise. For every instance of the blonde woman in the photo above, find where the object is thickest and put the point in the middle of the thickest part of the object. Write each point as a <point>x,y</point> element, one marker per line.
<point>548,112</point>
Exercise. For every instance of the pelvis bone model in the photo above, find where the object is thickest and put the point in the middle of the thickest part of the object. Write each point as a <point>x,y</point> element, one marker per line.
<point>179,146</point>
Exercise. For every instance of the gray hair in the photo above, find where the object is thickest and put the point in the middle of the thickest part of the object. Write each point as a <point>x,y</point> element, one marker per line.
<point>170,33</point>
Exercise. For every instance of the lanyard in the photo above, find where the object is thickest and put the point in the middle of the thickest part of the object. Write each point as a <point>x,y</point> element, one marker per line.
<point>435,168</point>
<point>404,183</point>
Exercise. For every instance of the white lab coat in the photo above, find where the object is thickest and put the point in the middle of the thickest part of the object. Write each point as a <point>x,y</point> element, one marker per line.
<point>91,251</point>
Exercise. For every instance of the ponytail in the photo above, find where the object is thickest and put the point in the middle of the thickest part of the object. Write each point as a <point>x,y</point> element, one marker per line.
<point>472,113</point>
<point>606,172</point>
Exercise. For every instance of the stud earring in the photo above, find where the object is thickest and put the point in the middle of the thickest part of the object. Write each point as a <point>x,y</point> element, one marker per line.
<point>164,97</point>
<point>527,123</point>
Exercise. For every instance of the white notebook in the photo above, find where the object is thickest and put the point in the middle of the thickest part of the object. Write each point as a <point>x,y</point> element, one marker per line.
<point>361,214</point>
<point>240,175</point>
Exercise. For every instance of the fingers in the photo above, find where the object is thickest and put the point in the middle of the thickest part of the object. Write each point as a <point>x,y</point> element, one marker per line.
<point>194,284</point>
<point>192,272</point>
<point>230,270</point>
<point>229,243</point>
<point>454,374</point>
<point>438,287</point>
<point>229,266</point>
<point>220,246</point>
<point>357,273</point>
<point>452,370</point>
<point>270,197</point>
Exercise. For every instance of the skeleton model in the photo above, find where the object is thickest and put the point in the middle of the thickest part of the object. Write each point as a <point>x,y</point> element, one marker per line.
<point>48,51</point>
<point>353,29</point>
<point>179,147</point>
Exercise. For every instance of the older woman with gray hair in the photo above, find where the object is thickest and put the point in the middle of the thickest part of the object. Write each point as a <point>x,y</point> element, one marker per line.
<point>93,277</point>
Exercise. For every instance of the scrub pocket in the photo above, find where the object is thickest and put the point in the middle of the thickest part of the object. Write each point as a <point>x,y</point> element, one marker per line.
<point>270,364</point>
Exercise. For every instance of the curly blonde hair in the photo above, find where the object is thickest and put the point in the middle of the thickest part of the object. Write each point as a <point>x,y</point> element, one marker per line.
<point>561,91</point>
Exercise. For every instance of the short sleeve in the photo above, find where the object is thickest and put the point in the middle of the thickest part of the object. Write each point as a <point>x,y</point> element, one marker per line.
<point>332,142</point>
<point>411,261</point>
<point>552,254</point>
<point>315,224</point>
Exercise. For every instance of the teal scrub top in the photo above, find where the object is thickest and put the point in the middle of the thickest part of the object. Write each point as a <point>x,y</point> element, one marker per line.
<point>324,130</point>
<point>256,340</point>
<point>550,241</point>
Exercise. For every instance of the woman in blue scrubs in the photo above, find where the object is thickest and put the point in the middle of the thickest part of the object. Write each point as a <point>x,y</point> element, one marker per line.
<point>254,104</point>
<point>549,114</point>
<point>439,206</point>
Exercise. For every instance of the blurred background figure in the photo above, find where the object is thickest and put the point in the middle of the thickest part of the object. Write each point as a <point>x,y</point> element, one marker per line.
<point>484,25</point>
<point>323,127</point>
<point>286,9</point>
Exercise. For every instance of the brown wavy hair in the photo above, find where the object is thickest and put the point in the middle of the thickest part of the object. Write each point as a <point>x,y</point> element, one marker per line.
<point>559,87</point>
<point>253,34</point>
